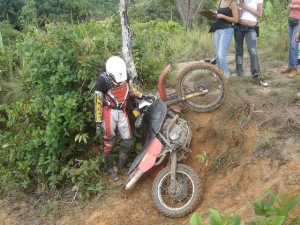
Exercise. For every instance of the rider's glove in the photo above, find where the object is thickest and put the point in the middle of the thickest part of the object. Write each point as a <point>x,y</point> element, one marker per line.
<point>99,128</point>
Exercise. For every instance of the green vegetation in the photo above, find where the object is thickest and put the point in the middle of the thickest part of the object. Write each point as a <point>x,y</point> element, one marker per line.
<point>38,13</point>
<point>50,55</point>
<point>203,158</point>
<point>45,133</point>
<point>271,210</point>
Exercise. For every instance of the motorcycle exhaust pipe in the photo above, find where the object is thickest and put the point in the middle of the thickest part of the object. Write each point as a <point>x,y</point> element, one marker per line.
<point>134,179</point>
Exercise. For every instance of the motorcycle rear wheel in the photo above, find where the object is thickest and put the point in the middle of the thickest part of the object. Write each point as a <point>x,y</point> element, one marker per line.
<point>200,76</point>
<point>187,194</point>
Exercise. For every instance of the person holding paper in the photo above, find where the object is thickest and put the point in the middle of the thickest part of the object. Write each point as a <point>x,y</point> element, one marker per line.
<point>226,15</point>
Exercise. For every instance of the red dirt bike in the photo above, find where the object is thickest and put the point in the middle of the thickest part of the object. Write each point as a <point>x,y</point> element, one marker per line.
<point>176,190</point>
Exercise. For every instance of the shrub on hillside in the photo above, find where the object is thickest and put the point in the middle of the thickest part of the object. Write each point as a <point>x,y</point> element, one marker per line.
<point>42,137</point>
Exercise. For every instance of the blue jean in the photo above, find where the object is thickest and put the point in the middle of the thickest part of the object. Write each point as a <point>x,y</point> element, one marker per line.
<point>241,33</point>
<point>293,49</point>
<point>222,39</point>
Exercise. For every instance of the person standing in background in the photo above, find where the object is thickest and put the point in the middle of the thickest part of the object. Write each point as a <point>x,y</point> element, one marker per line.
<point>293,30</point>
<point>227,14</point>
<point>247,28</point>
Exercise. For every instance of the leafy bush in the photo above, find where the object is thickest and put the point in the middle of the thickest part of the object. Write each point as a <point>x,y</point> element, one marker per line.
<point>60,67</point>
<point>274,22</point>
<point>215,218</point>
<point>8,55</point>
<point>270,210</point>
<point>151,49</point>
<point>43,137</point>
<point>9,35</point>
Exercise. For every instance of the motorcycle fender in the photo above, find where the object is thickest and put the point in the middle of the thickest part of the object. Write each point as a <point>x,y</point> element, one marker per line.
<point>149,158</point>
<point>161,84</point>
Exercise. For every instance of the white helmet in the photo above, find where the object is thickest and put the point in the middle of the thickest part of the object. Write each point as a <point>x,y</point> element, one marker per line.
<point>116,69</point>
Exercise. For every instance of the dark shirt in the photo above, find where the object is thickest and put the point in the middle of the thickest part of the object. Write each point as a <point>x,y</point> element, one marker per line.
<point>227,12</point>
<point>222,23</point>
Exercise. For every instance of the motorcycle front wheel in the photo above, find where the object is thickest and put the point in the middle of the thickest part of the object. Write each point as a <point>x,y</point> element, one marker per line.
<point>187,192</point>
<point>198,77</point>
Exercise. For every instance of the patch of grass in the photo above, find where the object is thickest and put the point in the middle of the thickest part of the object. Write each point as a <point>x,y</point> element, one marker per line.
<point>274,46</point>
<point>239,105</point>
<point>9,189</point>
<point>295,85</point>
<point>11,92</point>
<point>203,158</point>
<point>222,159</point>
<point>276,109</point>
<point>193,46</point>
<point>266,144</point>
<point>50,208</point>
<point>282,117</point>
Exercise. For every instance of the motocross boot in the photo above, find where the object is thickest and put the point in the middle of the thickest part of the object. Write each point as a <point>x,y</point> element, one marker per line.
<point>110,166</point>
<point>122,163</point>
<point>127,146</point>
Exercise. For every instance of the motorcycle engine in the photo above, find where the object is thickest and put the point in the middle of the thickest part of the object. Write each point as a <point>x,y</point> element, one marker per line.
<point>179,135</point>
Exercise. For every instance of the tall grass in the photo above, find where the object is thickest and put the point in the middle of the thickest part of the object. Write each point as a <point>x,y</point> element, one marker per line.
<point>192,46</point>
<point>272,43</point>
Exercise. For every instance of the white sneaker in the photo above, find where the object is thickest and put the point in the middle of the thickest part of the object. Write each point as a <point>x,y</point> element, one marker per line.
<point>260,81</point>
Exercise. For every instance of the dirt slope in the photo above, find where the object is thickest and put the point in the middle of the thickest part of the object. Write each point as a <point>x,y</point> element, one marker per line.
<point>233,177</point>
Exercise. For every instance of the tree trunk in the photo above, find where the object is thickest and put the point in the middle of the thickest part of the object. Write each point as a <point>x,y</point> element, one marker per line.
<point>188,10</point>
<point>126,36</point>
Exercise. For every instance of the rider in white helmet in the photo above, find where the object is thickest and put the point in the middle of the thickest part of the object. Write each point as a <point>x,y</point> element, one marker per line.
<point>111,95</point>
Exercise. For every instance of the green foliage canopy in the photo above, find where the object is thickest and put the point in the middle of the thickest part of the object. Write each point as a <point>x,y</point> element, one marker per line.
<point>40,139</point>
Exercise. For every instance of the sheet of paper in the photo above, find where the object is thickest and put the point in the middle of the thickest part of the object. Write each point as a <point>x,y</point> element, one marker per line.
<point>208,15</point>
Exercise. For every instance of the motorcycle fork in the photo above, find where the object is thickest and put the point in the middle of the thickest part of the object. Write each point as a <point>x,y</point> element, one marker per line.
<point>177,100</point>
<point>173,172</point>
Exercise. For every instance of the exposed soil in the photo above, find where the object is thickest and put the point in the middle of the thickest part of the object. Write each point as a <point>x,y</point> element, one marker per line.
<point>233,177</point>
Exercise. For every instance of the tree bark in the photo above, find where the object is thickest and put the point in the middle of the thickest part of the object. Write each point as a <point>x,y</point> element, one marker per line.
<point>188,10</point>
<point>126,36</point>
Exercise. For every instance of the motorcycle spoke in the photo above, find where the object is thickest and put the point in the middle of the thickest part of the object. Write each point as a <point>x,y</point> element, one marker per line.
<point>202,79</point>
<point>182,195</point>
<point>181,199</point>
